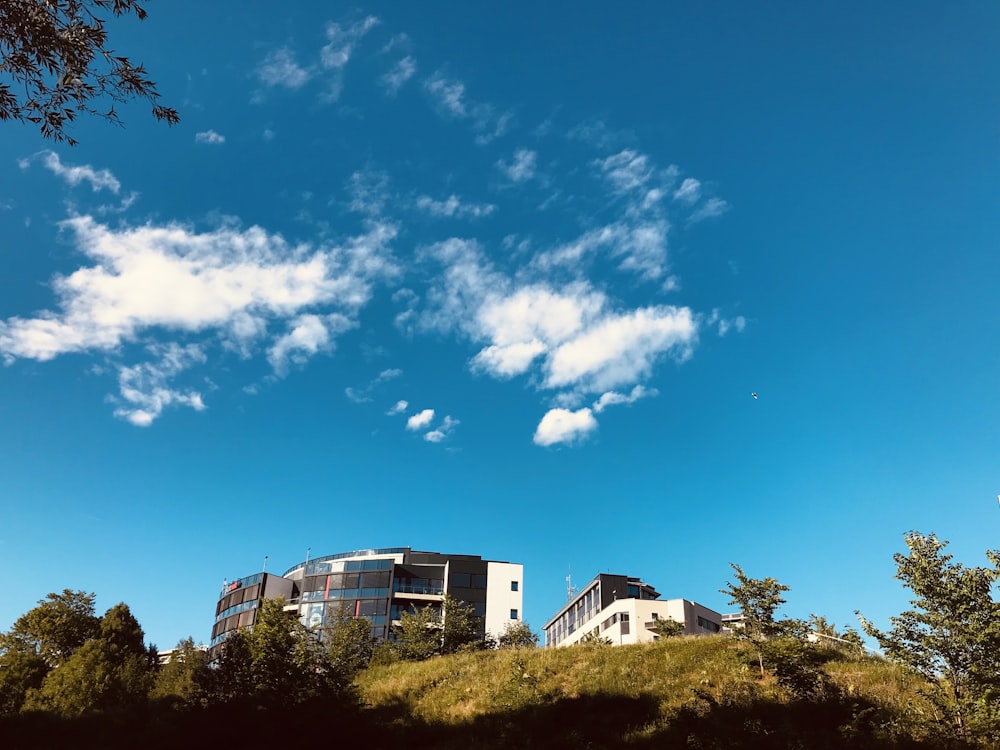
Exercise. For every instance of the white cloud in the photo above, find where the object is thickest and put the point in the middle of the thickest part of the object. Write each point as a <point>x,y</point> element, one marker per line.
<point>307,335</point>
<point>621,348</point>
<point>341,40</point>
<point>626,170</point>
<point>99,179</point>
<point>507,361</point>
<point>564,426</point>
<point>711,209</point>
<point>401,72</point>
<point>209,136</point>
<point>522,167</point>
<point>145,390</point>
<point>453,207</point>
<point>165,282</point>
<point>442,431</point>
<point>689,192</point>
<point>420,420</point>
<point>280,69</point>
<point>613,398</point>
<point>398,408</point>
<point>449,95</point>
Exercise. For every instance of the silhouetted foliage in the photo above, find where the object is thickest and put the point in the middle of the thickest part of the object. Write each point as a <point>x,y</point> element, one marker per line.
<point>55,64</point>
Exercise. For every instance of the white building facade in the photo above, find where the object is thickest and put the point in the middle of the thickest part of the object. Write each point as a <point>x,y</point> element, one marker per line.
<point>624,610</point>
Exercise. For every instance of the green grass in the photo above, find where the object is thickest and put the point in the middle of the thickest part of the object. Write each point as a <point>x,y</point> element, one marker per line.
<point>681,692</point>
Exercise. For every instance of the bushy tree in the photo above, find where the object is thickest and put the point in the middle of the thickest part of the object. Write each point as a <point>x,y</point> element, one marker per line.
<point>952,635</point>
<point>517,634</point>
<point>428,631</point>
<point>111,673</point>
<point>184,677</point>
<point>55,629</point>
<point>55,65</point>
<point>20,673</point>
<point>461,629</point>
<point>349,642</point>
<point>667,627</point>
<point>280,662</point>
<point>417,637</point>
<point>758,600</point>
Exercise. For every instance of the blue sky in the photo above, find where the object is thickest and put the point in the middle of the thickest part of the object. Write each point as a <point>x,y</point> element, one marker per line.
<point>501,280</point>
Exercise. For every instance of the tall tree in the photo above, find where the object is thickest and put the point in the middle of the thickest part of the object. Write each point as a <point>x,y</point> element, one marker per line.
<point>758,600</point>
<point>184,676</point>
<point>111,673</point>
<point>417,637</point>
<point>56,628</point>
<point>952,635</point>
<point>349,642</point>
<point>55,64</point>
<point>279,662</point>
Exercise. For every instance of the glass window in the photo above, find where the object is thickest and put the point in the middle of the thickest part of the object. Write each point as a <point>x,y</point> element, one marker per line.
<point>513,614</point>
<point>461,580</point>
<point>513,585</point>
<point>479,581</point>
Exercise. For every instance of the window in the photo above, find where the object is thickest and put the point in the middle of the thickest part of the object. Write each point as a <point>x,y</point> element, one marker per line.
<point>513,614</point>
<point>513,585</point>
<point>655,617</point>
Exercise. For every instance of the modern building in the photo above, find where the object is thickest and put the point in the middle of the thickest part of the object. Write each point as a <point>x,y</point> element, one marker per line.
<point>624,610</point>
<point>377,584</point>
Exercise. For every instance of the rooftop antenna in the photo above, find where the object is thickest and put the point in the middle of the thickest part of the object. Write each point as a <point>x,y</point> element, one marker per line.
<point>570,588</point>
<point>264,569</point>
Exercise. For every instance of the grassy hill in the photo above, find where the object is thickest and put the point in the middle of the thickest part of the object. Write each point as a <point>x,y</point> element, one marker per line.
<point>683,692</point>
<point>679,693</point>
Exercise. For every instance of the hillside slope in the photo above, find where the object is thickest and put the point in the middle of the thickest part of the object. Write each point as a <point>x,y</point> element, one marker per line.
<point>684,692</point>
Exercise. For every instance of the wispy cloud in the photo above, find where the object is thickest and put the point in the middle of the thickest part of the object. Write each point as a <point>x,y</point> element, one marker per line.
<point>689,191</point>
<point>369,192</point>
<point>564,426</point>
<point>452,206</point>
<point>145,389</point>
<point>98,179</point>
<point>522,167</point>
<point>398,408</point>
<point>341,40</point>
<point>442,431</point>
<point>447,94</point>
<point>613,398</point>
<point>364,394</point>
<point>210,137</point>
<point>280,69</point>
<point>626,171</point>
<point>401,72</point>
<point>710,209</point>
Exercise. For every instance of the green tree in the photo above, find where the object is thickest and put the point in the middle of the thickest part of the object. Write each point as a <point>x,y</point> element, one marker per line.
<point>758,600</point>
<point>667,627</point>
<point>349,642</point>
<point>461,629</point>
<point>280,662</point>
<point>594,639</point>
<point>952,635</point>
<point>55,65</point>
<point>417,637</point>
<point>55,629</point>
<point>112,673</point>
<point>183,677</point>
<point>517,634</point>
<point>20,673</point>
